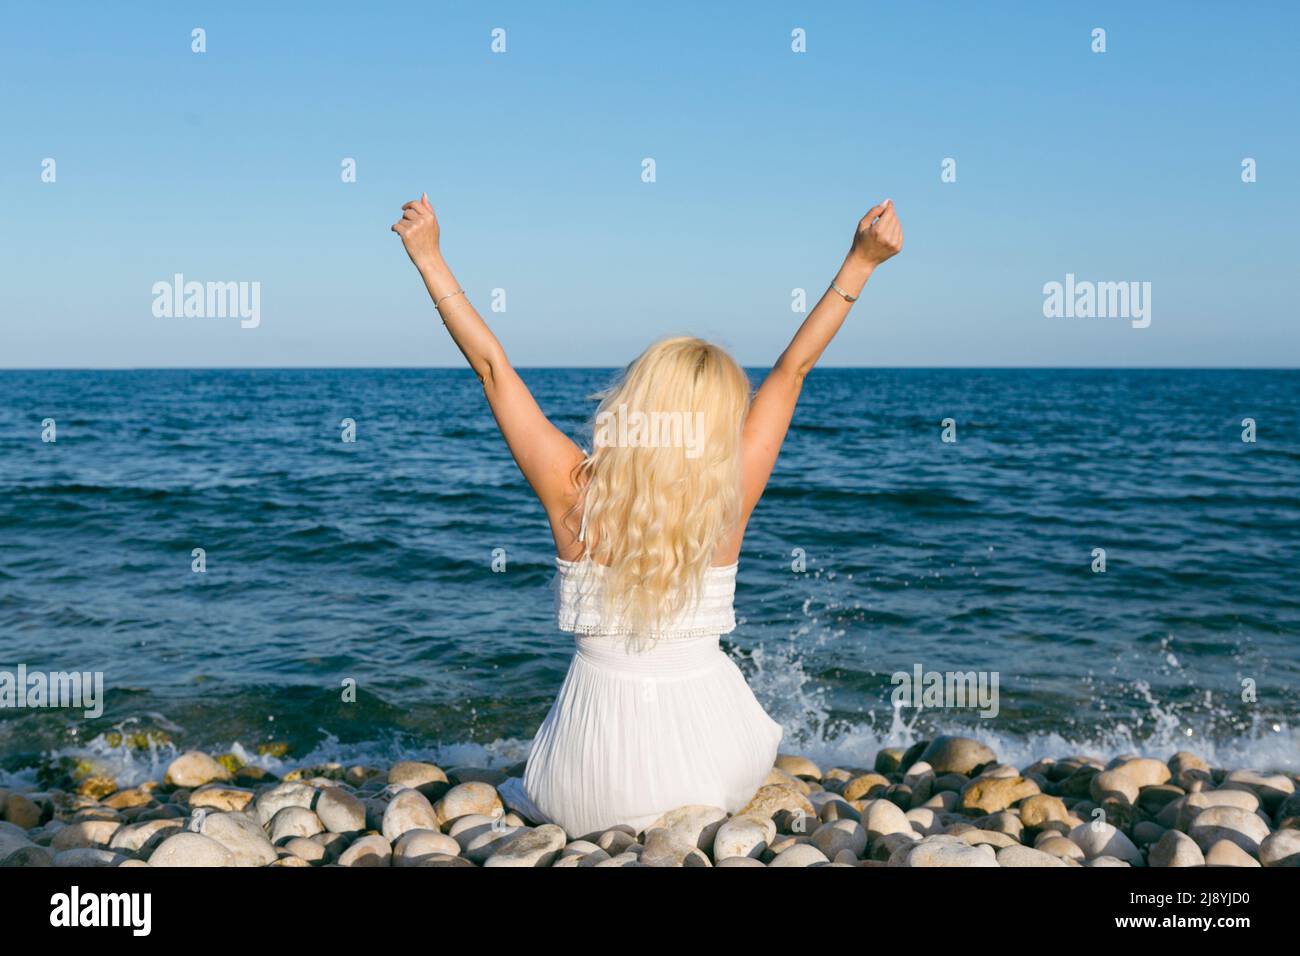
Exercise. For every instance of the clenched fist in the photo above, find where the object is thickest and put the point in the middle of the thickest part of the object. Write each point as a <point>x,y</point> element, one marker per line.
<point>879,236</point>
<point>418,228</point>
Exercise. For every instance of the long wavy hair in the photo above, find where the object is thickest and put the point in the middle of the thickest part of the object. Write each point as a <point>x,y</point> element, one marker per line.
<point>661,489</point>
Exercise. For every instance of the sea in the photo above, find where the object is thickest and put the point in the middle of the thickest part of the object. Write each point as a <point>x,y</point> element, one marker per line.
<point>1115,550</point>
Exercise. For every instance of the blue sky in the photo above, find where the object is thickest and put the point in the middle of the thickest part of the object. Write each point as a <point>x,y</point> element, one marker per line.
<point>225,166</point>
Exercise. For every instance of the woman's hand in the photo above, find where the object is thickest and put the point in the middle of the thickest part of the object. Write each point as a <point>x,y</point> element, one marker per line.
<point>879,236</point>
<point>418,228</point>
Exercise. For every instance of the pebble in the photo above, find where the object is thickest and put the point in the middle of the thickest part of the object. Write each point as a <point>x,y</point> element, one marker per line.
<point>219,796</point>
<point>1113,785</point>
<point>1247,830</point>
<point>666,848</point>
<point>839,836</point>
<point>409,810</point>
<point>1185,810</point>
<point>469,798</point>
<point>797,766</point>
<point>30,855</point>
<point>693,824</point>
<point>144,837</point>
<point>294,822</point>
<point>340,811</point>
<point>963,755</point>
<point>800,854</point>
<point>1271,789</point>
<point>991,794</point>
<point>1104,839</point>
<point>86,833</point>
<point>1021,856</point>
<point>307,850</point>
<point>1175,848</point>
<point>530,848</point>
<point>372,850</point>
<point>946,802</point>
<point>1228,853</point>
<point>947,851</point>
<point>880,818</point>
<point>415,845</point>
<point>287,794</point>
<point>88,856</point>
<point>22,812</point>
<point>743,836</point>
<point>772,798</point>
<point>194,769</point>
<point>486,840</point>
<point>239,834</point>
<point>1281,848</point>
<point>416,775</point>
<point>863,786</point>
<point>191,849</point>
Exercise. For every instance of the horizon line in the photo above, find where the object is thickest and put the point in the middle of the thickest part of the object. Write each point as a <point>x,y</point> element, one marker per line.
<point>466,368</point>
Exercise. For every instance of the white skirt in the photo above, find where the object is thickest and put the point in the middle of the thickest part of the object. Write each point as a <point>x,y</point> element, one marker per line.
<point>633,734</point>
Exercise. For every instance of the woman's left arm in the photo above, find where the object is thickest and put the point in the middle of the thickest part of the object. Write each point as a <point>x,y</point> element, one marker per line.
<point>546,456</point>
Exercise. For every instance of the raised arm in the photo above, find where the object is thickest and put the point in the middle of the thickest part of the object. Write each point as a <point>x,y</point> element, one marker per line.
<point>878,237</point>
<point>545,455</point>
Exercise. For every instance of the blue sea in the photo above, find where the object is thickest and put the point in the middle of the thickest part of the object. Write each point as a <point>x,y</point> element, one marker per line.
<point>373,561</point>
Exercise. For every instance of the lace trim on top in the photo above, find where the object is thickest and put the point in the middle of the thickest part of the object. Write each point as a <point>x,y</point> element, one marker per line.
<point>579,610</point>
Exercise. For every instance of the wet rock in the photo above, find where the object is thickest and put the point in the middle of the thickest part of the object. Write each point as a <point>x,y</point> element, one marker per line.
<point>194,769</point>
<point>991,794</point>
<point>957,755</point>
<point>219,796</point>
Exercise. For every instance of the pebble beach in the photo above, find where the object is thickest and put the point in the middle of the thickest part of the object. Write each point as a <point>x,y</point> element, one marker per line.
<point>946,802</point>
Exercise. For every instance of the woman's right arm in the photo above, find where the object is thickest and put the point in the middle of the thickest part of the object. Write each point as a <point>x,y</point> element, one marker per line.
<point>879,236</point>
<point>546,456</point>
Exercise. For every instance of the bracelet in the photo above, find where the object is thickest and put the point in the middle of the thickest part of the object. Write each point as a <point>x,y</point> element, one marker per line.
<point>851,298</point>
<point>447,296</point>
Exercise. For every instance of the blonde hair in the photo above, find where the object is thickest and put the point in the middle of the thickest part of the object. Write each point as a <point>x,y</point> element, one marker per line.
<point>662,488</point>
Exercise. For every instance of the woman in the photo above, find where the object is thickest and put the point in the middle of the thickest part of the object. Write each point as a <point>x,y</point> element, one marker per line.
<point>648,527</point>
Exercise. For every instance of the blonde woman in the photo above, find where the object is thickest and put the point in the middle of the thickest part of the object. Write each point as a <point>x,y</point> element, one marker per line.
<point>648,527</point>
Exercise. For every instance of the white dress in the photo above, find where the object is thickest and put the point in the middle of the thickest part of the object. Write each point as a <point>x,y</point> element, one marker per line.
<point>639,728</point>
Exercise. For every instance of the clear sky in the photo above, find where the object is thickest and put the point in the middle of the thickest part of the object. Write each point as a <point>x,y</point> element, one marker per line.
<point>226,166</point>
